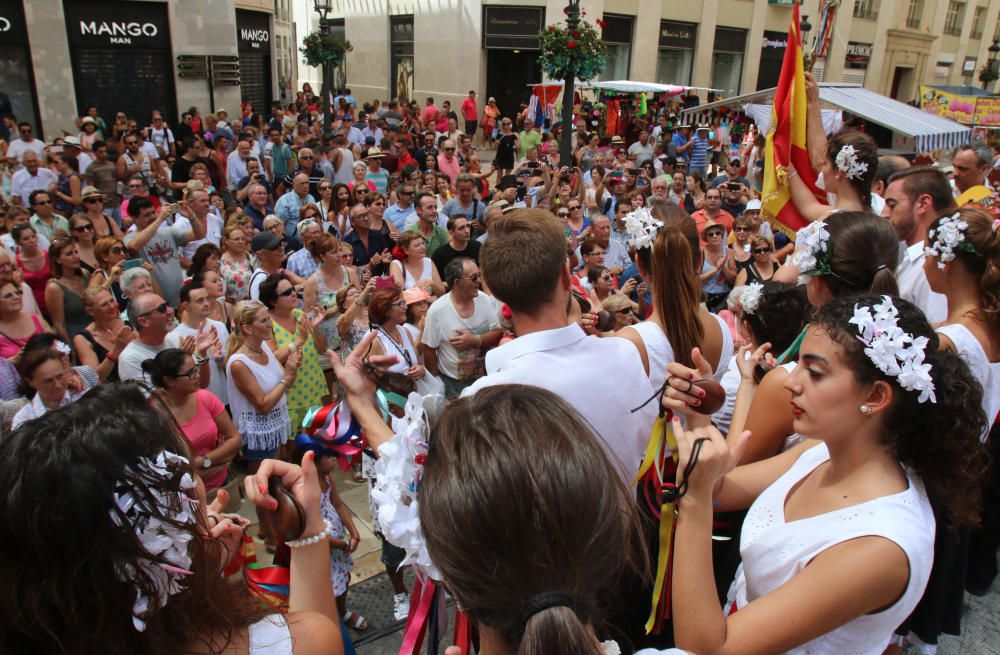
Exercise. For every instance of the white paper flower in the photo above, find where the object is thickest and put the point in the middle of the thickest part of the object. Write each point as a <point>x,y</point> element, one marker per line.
<point>945,238</point>
<point>160,539</point>
<point>810,245</point>
<point>893,351</point>
<point>641,228</point>
<point>750,298</point>
<point>847,162</point>
<point>397,479</point>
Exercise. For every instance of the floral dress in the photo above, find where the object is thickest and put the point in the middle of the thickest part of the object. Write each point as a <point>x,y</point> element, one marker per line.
<point>357,332</point>
<point>310,384</point>
<point>237,277</point>
<point>341,561</point>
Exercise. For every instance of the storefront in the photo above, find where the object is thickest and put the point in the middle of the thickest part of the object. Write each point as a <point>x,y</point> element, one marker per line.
<point>17,84</point>
<point>772,54</point>
<point>117,46</point>
<point>617,38</point>
<point>856,61</point>
<point>676,52</point>
<point>727,59</point>
<point>253,41</point>
<point>510,37</point>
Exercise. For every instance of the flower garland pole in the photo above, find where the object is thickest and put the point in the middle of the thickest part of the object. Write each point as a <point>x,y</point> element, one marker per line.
<point>322,48</point>
<point>570,53</point>
<point>565,145</point>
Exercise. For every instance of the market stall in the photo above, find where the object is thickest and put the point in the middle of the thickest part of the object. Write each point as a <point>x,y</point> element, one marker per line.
<point>913,130</point>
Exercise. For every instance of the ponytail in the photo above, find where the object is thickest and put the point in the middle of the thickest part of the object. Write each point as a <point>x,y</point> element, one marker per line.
<point>676,289</point>
<point>863,252</point>
<point>557,630</point>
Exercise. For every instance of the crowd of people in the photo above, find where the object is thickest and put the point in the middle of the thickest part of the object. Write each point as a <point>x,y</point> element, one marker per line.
<point>178,302</point>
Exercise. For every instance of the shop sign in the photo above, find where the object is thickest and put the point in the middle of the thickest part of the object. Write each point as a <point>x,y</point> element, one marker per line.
<point>677,35</point>
<point>253,31</point>
<point>117,25</point>
<point>772,43</point>
<point>858,54</point>
<point>988,112</point>
<point>961,109</point>
<point>512,27</point>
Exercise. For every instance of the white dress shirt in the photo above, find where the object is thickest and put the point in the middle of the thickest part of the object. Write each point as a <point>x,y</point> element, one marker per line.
<point>913,284</point>
<point>602,379</point>
<point>22,183</point>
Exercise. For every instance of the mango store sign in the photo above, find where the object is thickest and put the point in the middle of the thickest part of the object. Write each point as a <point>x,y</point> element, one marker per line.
<point>118,32</point>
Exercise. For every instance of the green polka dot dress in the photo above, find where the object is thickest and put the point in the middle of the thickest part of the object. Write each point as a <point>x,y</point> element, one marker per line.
<point>310,384</point>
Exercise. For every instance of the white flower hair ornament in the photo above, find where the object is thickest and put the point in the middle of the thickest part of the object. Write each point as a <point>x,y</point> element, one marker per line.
<point>641,228</point>
<point>947,237</point>
<point>848,164</point>
<point>750,298</point>
<point>812,250</point>
<point>397,479</point>
<point>143,500</point>
<point>893,351</point>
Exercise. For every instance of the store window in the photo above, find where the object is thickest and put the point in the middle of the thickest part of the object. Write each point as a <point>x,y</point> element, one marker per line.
<point>618,42</point>
<point>676,54</point>
<point>727,59</point>
<point>17,87</point>
<point>401,57</point>
<point>772,55</point>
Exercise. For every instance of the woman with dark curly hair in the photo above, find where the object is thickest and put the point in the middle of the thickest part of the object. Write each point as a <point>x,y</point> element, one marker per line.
<point>892,412</point>
<point>129,554</point>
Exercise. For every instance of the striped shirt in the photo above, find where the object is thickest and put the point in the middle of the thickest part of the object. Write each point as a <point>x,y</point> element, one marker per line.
<point>699,153</point>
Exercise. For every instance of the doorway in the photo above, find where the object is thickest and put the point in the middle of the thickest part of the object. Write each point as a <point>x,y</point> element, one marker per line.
<point>508,74</point>
<point>902,84</point>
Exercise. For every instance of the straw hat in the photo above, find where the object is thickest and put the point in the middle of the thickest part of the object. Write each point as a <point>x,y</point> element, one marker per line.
<point>374,153</point>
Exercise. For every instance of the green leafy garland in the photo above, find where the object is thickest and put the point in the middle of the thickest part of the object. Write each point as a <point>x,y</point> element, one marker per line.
<point>319,49</point>
<point>572,50</point>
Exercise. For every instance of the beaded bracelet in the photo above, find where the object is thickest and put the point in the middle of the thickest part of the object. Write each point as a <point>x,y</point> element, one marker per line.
<point>315,539</point>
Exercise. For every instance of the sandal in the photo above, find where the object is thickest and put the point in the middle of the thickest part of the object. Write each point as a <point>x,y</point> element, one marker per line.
<point>355,621</point>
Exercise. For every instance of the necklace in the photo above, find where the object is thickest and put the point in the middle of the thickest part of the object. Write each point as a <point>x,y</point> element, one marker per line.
<point>256,352</point>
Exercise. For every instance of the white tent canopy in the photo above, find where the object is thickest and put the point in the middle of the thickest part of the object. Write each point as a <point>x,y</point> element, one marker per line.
<point>929,133</point>
<point>628,86</point>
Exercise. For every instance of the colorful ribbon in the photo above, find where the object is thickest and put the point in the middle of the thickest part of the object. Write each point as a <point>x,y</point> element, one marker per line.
<point>333,430</point>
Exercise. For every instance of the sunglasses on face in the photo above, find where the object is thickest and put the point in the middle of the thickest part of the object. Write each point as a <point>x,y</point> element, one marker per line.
<point>573,208</point>
<point>741,229</point>
<point>562,214</point>
<point>287,292</point>
<point>83,228</point>
<point>131,143</point>
<point>92,201</point>
<point>711,235</point>
<point>13,294</point>
<point>159,309</point>
<point>43,202</point>
<point>117,250</point>
<point>762,251</point>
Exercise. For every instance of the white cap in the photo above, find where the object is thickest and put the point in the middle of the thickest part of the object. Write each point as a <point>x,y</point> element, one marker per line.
<point>752,205</point>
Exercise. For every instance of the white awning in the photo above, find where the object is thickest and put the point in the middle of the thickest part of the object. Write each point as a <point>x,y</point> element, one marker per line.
<point>929,132</point>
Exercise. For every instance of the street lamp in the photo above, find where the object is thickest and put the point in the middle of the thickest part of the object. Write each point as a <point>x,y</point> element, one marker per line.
<point>323,8</point>
<point>804,28</point>
<point>993,63</point>
<point>572,21</point>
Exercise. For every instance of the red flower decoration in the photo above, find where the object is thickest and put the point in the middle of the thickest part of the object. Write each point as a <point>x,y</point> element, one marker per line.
<point>603,25</point>
<point>576,34</point>
<point>552,28</point>
<point>571,44</point>
<point>566,10</point>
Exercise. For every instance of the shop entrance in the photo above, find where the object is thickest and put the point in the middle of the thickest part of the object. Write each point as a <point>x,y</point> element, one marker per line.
<point>508,74</point>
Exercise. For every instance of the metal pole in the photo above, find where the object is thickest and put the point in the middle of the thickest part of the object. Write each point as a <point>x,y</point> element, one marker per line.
<point>324,26</point>
<point>565,157</point>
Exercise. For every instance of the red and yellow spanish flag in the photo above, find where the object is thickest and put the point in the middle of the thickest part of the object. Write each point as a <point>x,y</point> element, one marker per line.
<point>786,139</point>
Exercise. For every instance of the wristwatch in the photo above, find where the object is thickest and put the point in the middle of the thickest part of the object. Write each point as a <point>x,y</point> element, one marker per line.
<point>206,463</point>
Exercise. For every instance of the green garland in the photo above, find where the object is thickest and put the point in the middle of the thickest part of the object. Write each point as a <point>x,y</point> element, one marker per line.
<point>319,49</point>
<point>577,51</point>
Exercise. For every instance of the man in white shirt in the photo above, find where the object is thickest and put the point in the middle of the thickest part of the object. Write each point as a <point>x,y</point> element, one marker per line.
<point>195,307</point>
<point>914,199</point>
<point>602,379</point>
<point>71,148</point>
<point>152,318</point>
<point>27,143</point>
<point>460,326</point>
<point>236,163</point>
<point>31,177</point>
<point>198,206</point>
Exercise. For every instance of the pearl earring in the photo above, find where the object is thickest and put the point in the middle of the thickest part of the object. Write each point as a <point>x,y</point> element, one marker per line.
<point>865,409</point>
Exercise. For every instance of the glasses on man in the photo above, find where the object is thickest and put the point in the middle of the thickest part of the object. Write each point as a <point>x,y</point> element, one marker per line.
<point>92,201</point>
<point>131,143</point>
<point>596,253</point>
<point>305,158</point>
<point>135,187</point>
<point>742,229</point>
<point>42,202</point>
<point>475,277</point>
<point>159,309</point>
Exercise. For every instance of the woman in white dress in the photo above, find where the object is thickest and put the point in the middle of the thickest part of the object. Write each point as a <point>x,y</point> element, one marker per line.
<point>120,483</point>
<point>839,539</point>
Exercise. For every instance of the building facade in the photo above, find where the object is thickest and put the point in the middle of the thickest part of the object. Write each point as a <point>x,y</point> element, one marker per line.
<point>407,49</point>
<point>59,56</point>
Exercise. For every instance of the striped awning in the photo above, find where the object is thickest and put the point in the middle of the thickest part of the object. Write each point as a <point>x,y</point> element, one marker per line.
<point>929,132</point>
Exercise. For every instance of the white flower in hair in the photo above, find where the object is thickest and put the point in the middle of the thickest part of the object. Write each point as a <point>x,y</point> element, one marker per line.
<point>750,298</point>
<point>166,560</point>
<point>893,351</point>
<point>641,228</point>
<point>810,244</point>
<point>945,238</point>
<point>847,162</point>
<point>397,479</point>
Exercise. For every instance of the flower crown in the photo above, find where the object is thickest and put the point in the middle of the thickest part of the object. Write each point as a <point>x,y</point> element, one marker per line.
<point>948,237</point>
<point>164,559</point>
<point>847,162</point>
<point>750,298</point>
<point>893,351</point>
<point>812,249</point>
<point>641,228</point>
